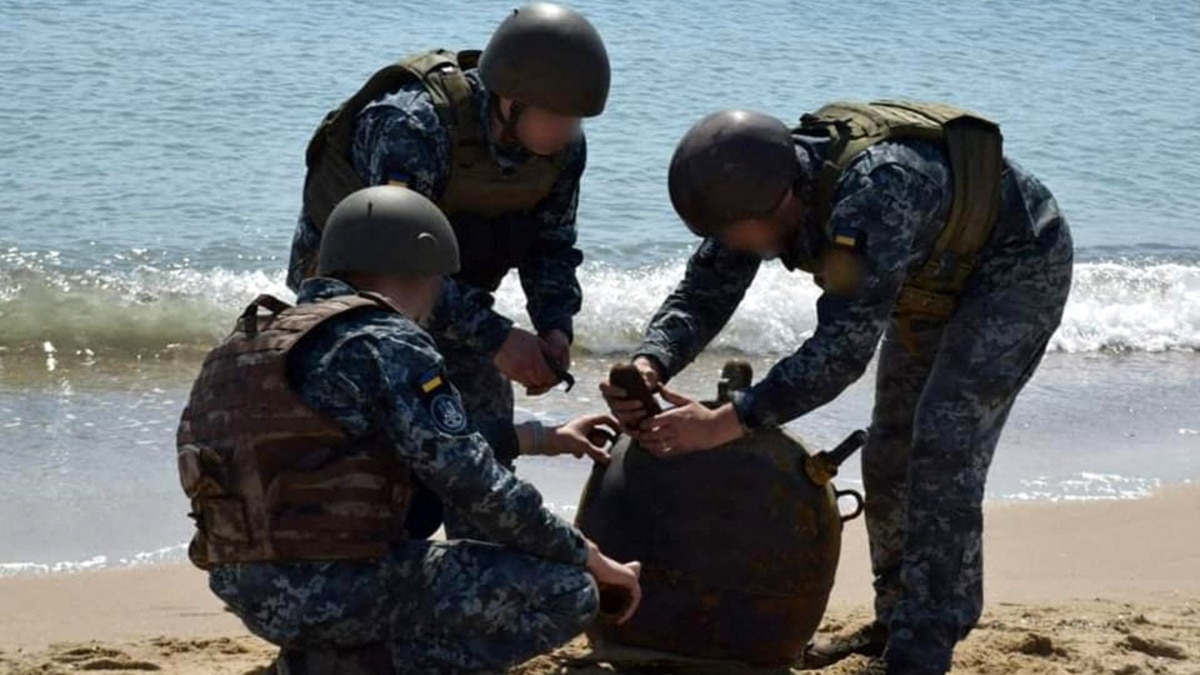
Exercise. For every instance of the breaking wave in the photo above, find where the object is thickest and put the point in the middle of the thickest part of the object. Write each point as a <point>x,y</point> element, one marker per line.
<point>1115,306</point>
<point>166,554</point>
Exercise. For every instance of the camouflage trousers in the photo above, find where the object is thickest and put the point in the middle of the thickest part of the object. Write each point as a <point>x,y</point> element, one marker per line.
<point>939,412</point>
<point>429,607</point>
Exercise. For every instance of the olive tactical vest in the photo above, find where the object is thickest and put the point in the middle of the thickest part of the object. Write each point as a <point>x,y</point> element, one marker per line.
<point>476,185</point>
<point>974,146</point>
<point>269,478</point>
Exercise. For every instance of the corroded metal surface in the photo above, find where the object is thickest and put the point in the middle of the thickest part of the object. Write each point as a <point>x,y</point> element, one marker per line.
<point>739,547</point>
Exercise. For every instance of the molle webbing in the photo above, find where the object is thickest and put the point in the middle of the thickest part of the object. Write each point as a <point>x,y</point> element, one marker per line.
<point>270,478</point>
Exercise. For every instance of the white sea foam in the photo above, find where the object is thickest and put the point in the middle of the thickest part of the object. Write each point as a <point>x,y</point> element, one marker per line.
<point>175,553</point>
<point>1085,486</point>
<point>1113,307</point>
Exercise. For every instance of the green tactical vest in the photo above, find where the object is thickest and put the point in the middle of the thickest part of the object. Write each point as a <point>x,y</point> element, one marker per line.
<point>476,184</point>
<point>975,148</point>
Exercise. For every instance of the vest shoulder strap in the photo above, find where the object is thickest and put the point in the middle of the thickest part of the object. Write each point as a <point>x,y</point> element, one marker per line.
<point>853,127</point>
<point>330,174</point>
<point>337,128</point>
<point>974,146</point>
<point>442,73</point>
<point>297,321</point>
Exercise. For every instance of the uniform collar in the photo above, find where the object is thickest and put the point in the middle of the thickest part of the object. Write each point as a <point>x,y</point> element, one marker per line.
<point>318,289</point>
<point>322,288</point>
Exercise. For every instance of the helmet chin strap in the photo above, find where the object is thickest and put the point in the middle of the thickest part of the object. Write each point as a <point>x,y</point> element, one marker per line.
<point>508,123</point>
<point>805,241</point>
<point>508,126</point>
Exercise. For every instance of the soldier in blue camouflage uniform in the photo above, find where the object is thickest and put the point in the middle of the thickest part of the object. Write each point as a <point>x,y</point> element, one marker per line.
<point>422,606</point>
<point>512,206</point>
<point>945,384</point>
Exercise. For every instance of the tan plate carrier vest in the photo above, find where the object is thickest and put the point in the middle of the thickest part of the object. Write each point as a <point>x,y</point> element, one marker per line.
<point>269,478</point>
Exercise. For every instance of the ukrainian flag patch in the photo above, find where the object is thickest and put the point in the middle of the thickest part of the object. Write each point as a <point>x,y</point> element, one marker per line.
<point>440,399</point>
<point>431,380</point>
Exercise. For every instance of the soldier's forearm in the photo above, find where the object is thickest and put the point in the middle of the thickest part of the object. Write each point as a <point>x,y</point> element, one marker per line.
<point>523,522</point>
<point>558,321</point>
<point>675,336</point>
<point>553,292</point>
<point>531,437</point>
<point>664,359</point>
<point>465,315</point>
<point>815,375</point>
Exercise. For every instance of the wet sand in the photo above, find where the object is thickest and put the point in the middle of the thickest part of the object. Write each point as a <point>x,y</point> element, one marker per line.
<point>1098,587</point>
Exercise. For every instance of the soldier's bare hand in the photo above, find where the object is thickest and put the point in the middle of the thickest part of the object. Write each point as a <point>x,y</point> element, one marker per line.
<point>617,581</point>
<point>586,436</point>
<point>688,427</point>
<point>522,358</point>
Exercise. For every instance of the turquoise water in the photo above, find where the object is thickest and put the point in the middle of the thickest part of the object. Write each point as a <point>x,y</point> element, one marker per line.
<point>151,155</point>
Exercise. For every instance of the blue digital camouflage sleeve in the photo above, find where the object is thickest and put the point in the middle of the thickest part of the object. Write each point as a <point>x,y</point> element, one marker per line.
<point>397,138</point>
<point>401,139</point>
<point>548,274</point>
<point>306,241</point>
<point>373,370</point>
<point>889,195</point>
<point>713,285</point>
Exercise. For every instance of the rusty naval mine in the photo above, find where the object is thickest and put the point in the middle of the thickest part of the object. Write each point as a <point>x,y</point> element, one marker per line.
<point>739,545</point>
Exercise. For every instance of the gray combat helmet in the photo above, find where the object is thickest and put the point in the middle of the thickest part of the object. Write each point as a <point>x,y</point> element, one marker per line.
<point>732,165</point>
<point>548,56</point>
<point>390,231</point>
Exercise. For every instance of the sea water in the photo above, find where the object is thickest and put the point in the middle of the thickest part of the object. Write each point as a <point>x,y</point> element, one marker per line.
<point>152,153</point>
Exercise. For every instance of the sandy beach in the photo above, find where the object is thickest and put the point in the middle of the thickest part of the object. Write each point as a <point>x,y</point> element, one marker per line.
<point>153,165</point>
<point>1096,587</point>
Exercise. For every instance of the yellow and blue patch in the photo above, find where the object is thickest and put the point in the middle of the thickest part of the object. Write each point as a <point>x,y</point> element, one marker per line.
<point>442,402</point>
<point>432,380</point>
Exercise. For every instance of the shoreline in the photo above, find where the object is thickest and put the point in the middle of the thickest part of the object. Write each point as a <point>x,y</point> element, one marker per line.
<point>1090,560</point>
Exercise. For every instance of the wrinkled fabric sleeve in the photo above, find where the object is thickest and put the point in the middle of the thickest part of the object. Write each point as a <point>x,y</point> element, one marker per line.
<point>306,241</point>
<point>713,285</point>
<point>372,382</point>
<point>885,205</point>
<point>548,274</point>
